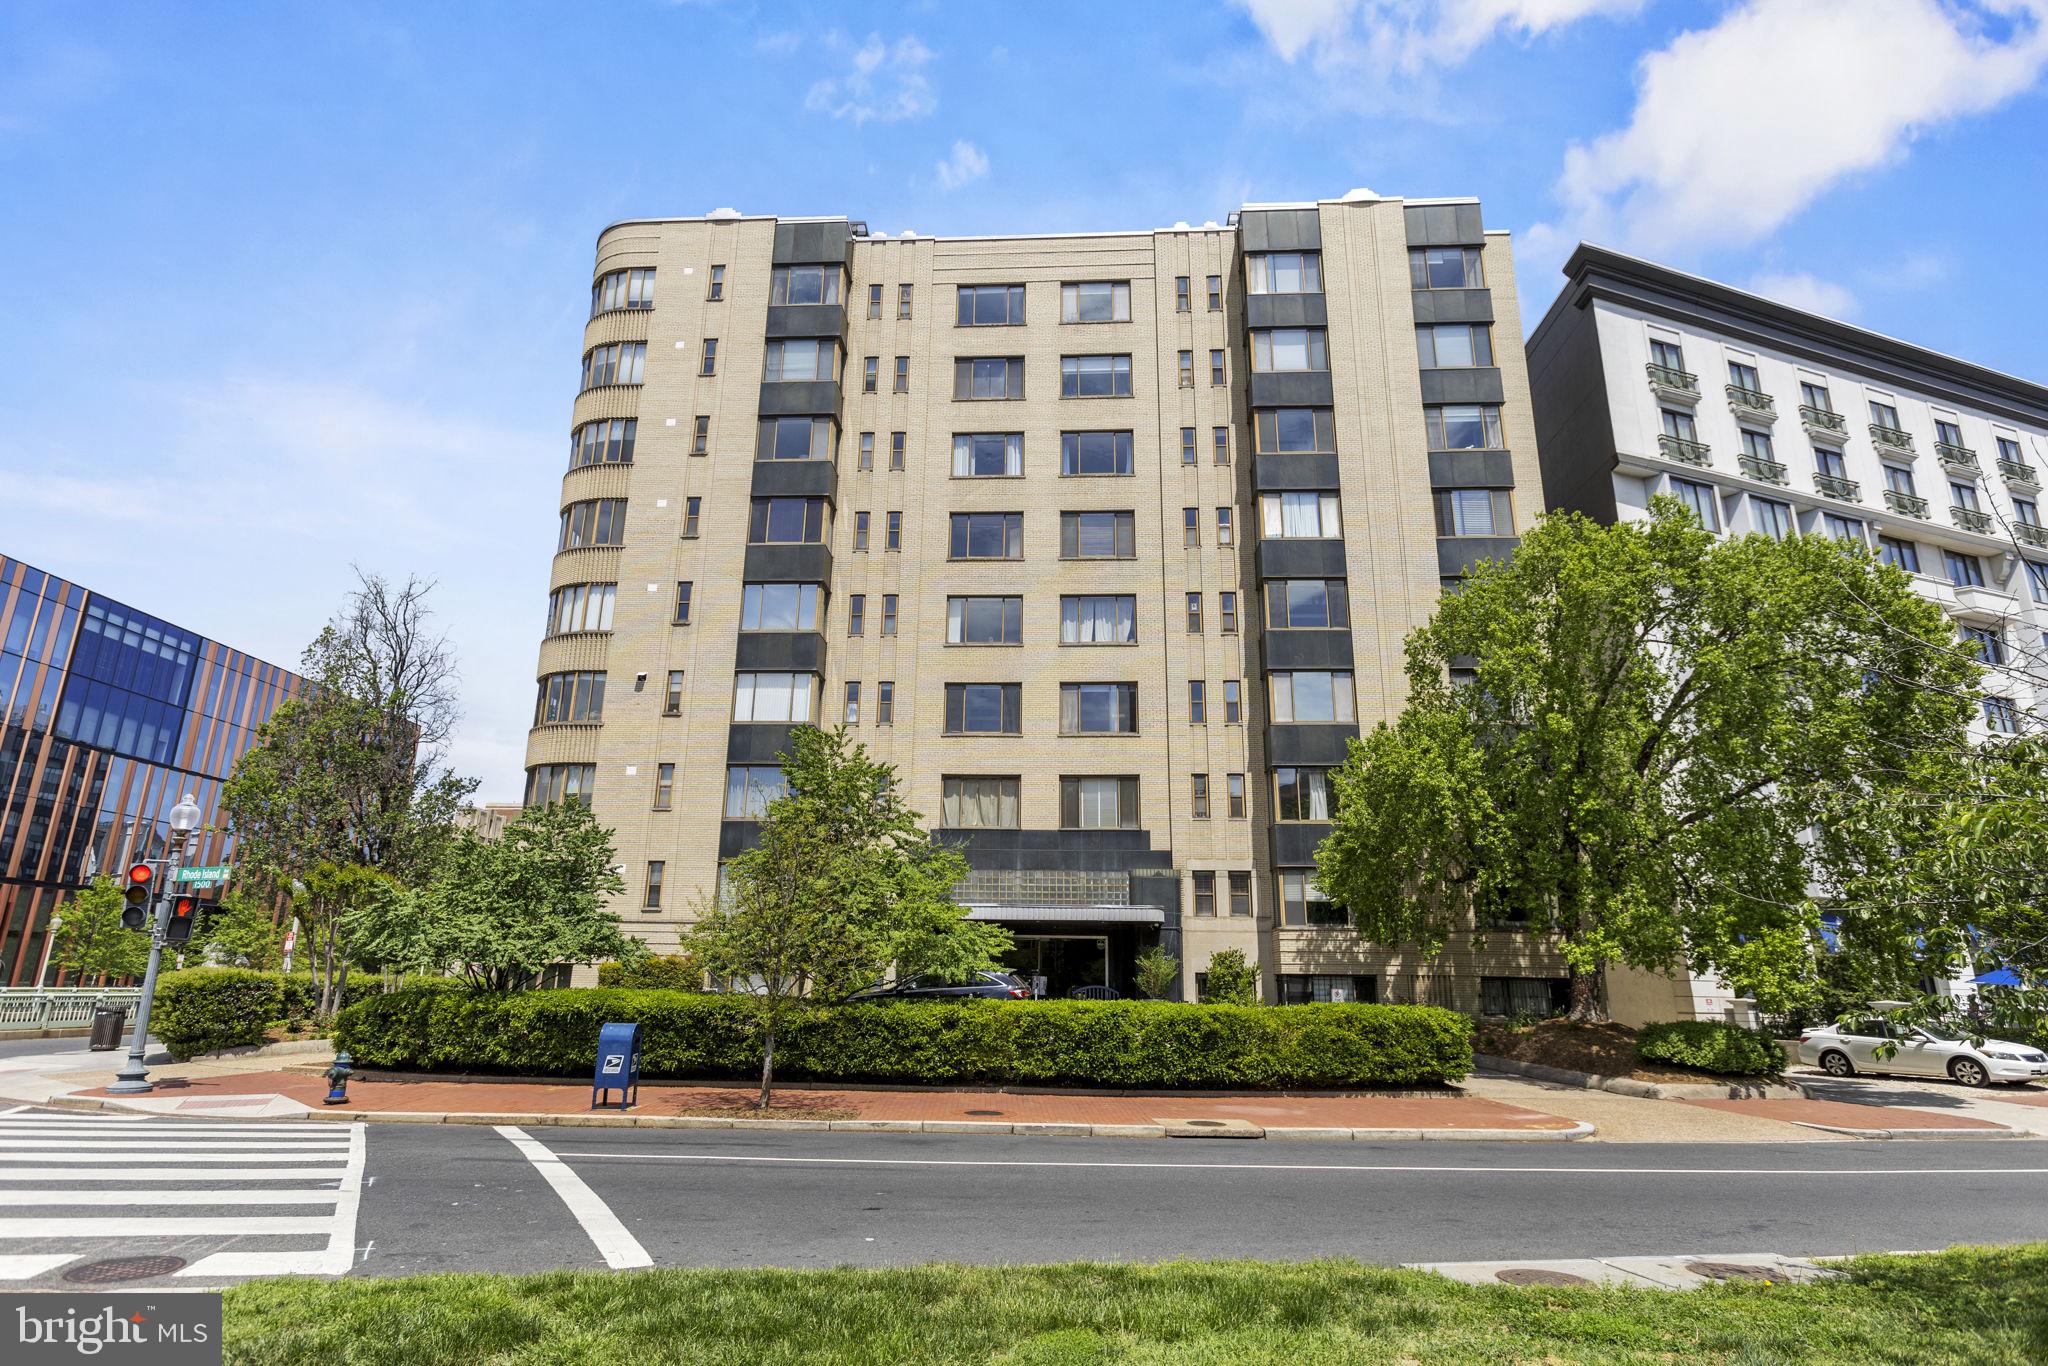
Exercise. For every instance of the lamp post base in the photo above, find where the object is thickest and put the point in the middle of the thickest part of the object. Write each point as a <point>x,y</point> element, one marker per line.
<point>130,1086</point>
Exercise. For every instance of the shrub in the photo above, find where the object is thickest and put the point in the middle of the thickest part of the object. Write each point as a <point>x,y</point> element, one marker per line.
<point>203,1010</point>
<point>675,972</point>
<point>1725,1049</point>
<point>1157,972</point>
<point>1088,1043</point>
<point>1230,980</point>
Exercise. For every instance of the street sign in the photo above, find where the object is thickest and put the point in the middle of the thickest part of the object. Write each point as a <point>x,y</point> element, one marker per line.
<point>205,872</point>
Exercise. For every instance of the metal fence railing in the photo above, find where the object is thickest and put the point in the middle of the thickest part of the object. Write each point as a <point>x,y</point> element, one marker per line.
<point>58,1007</point>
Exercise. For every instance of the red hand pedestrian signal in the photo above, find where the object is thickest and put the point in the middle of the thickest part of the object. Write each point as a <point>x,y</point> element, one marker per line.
<point>184,915</point>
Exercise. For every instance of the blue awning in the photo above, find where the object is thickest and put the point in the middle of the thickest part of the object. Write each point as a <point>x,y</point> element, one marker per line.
<point>1998,977</point>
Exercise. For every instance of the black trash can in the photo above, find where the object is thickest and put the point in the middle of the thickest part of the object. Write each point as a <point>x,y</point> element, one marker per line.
<point>107,1024</point>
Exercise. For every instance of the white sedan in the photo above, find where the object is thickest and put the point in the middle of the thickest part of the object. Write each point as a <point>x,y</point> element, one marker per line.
<point>1918,1051</point>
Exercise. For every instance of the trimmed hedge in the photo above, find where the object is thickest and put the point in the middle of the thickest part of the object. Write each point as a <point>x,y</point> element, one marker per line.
<point>1711,1046</point>
<point>1084,1043</point>
<point>203,1010</point>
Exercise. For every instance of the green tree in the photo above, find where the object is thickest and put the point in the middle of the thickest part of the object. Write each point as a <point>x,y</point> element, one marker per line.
<point>1665,747</point>
<point>1157,972</point>
<point>90,939</point>
<point>242,932</point>
<point>843,885</point>
<point>501,911</point>
<point>1230,980</point>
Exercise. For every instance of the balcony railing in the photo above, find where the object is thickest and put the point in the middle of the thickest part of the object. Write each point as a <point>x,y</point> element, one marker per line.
<point>1957,457</point>
<point>1970,519</point>
<point>1752,401</point>
<point>1911,504</point>
<point>1673,381</point>
<point>1756,467</point>
<point>1891,438</point>
<point>1823,419</point>
<point>2018,472</point>
<point>1834,486</point>
<point>1678,448</point>
<point>2031,533</point>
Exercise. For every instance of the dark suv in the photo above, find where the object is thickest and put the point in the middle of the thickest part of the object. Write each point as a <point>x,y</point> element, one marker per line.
<point>1000,986</point>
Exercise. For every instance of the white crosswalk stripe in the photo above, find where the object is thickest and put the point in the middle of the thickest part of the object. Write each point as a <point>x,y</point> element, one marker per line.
<point>81,1187</point>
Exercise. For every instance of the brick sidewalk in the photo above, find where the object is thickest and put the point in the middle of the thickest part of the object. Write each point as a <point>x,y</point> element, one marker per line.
<point>1842,1114</point>
<point>429,1096</point>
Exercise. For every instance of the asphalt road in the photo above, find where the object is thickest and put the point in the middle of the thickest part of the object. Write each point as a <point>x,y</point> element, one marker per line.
<point>393,1199</point>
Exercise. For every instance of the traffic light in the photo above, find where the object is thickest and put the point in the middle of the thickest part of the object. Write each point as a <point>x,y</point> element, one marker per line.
<point>137,893</point>
<point>184,915</point>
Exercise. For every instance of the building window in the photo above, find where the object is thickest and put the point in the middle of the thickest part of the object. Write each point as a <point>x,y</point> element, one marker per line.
<point>1300,989</point>
<point>987,536</point>
<point>989,305</point>
<point>692,507</point>
<point>1194,611</point>
<point>978,803</point>
<point>1700,498</point>
<point>1307,604</point>
<point>988,377</point>
<point>1448,346</point>
<point>903,374</point>
<point>664,786</point>
<point>1286,431</point>
<point>1187,445</point>
<point>1226,612</point>
<point>794,438</point>
<point>615,363</point>
<point>1963,496</point>
<point>984,709</point>
<point>1446,268</point>
<point>772,697</point>
<point>867,450</point>
<point>1187,369</point>
<point>1098,302</point>
<point>985,621</point>
<point>892,531</point>
<point>598,521</point>
<point>856,614</point>
<point>1199,785</point>
<point>1098,709</point>
<point>1190,526</point>
<point>1280,350</point>
<point>1898,554</point>
<point>1885,415</point>
<point>605,442</point>
<point>1666,355</point>
<point>852,714</point>
<point>1679,425</point>
<point>1215,293</point>
<point>1241,894</point>
<point>1743,375</point>
<point>1990,644</point>
<point>1284,272</point>
<point>1757,445</point>
<point>1233,711</point>
<point>716,291</point>
<point>710,365</point>
<point>860,530</point>
<point>885,703</point>
<point>1899,479</point>
<point>547,784</point>
<point>1300,515</point>
<point>1223,526</point>
<point>2001,716</point>
<point>870,373</point>
<point>786,521</point>
<point>1096,619</point>
<point>896,445</point>
<point>1303,794</point>
<point>902,301</point>
<point>1180,294</point>
<point>988,455</point>
<point>1524,995</point>
<point>672,696</point>
<point>804,285</point>
<point>1098,536</point>
<point>1216,375</point>
<point>1087,453</point>
<point>750,788</point>
<point>700,439</point>
<point>2025,512</point>
<point>1099,803</point>
<point>1771,517</point>
<point>889,614</point>
<point>1302,903</point>
<point>1815,396</point>
<point>1312,696</point>
<point>1464,427</point>
<point>618,289</point>
<point>1198,702</point>
<point>651,900</point>
<point>2037,580</point>
<point>1233,787</point>
<point>581,607</point>
<point>779,607</point>
<point>801,360</point>
<point>1841,528</point>
<point>1964,571</point>
<point>1095,376</point>
<point>874,301</point>
<point>570,699</point>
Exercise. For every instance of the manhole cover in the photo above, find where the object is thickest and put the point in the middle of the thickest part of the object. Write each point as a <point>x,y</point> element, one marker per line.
<point>1733,1271</point>
<point>123,1269</point>
<point>984,1112</point>
<point>1536,1275</point>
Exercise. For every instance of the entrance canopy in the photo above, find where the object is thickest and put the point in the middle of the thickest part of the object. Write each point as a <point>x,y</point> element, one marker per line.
<point>1068,915</point>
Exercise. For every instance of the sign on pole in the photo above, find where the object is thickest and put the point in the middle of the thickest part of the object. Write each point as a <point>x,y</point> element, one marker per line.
<point>205,872</point>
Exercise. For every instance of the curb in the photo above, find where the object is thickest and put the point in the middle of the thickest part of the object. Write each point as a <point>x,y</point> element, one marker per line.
<point>1020,1129</point>
<point>1912,1133</point>
<point>1645,1090</point>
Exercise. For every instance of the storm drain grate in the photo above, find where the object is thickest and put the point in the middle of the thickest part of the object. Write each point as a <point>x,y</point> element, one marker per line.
<point>1732,1271</point>
<point>123,1269</point>
<point>1536,1275</point>
<point>1206,1123</point>
<point>984,1112</point>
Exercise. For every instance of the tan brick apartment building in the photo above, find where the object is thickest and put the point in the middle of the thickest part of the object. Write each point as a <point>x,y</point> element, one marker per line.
<point>1107,541</point>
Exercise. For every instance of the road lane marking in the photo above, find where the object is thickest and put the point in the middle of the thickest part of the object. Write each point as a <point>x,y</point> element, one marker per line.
<point>164,1197</point>
<point>185,1173</point>
<point>156,1145</point>
<point>151,1227</point>
<point>1319,1166</point>
<point>19,1266</point>
<point>189,1158</point>
<point>339,1226</point>
<point>122,1128</point>
<point>618,1247</point>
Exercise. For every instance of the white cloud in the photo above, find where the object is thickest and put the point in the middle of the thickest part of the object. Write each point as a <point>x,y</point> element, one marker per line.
<point>779,43</point>
<point>1408,35</point>
<point>886,83</point>
<point>1801,290</point>
<point>967,163</point>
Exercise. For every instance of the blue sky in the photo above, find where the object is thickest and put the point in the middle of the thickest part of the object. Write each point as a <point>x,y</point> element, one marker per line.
<point>287,287</point>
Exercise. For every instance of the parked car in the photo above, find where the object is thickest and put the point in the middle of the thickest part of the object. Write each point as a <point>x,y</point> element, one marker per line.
<point>1000,986</point>
<point>1920,1051</point>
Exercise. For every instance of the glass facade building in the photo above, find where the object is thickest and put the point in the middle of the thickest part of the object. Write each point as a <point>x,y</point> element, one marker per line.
<point>107,717</point>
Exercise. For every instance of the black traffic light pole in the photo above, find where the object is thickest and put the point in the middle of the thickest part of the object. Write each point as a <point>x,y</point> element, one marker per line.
<point>133,1078</point>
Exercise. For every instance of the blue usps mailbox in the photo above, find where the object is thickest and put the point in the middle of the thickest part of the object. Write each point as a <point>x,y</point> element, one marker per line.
<point>618,1066</point>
